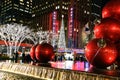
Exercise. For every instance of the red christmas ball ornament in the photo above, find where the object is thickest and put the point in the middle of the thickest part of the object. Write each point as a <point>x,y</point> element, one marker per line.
<point>32,52</point>
<point>118,57</point>
<point>100,53</point>
<point>109,29</point>
<point>99,31</point>
<point>44,52</point>
<point>112,9</point>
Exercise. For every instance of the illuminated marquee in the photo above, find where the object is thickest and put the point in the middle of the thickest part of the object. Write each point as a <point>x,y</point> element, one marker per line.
<point>54,22</point>
<point>70,25</point>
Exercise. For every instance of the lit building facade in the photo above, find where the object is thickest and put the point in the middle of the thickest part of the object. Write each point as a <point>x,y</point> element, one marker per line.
<point>41,14</point>
<point>80,13</point>
<point>16,11</point>
<point>47,14</point>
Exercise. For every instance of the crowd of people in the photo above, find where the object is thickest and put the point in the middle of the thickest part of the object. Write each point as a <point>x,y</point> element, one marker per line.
<point>25,58</point>
<point>69,56</point>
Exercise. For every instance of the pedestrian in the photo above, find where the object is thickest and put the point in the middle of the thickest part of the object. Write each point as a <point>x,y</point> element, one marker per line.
<point>16,57</point>
<point>23,57</point>
<point>13,57</point>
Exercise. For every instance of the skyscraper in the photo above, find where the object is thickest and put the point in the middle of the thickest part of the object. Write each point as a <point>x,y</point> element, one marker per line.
<point>41,14</point>
<point>43,11</point>
<point>16,11</point>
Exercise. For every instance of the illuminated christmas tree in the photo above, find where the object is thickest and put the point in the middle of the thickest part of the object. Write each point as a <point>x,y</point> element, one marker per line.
<point>61,40</point>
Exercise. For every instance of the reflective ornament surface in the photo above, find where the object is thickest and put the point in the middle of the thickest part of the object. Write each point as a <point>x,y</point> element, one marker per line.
<point>112,9</point>
<point>32,52</point>
<point>109,29</point>
<point>100,53</point>
<point>44,52</point>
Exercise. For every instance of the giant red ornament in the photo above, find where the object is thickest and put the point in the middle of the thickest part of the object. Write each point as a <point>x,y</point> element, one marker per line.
<point>100,53</point>
<point>112,9</point>
<point>44,52</point>
<point>118,57</point>
<point>109,29</point>
<point>32,52</point>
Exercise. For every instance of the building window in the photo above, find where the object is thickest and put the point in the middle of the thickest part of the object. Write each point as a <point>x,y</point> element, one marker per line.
<point>16,5</point>
<point>30,0</point>
<point>84,11</point>
<point>9,19</point>
<point>14,19</point>
<point>22,3</point>
<point>21,9</point>
<point>21,0</point>
<point>88,12</point>
<point>33,15</point>
<point>21,21</point>
<point>27,5</point>
<point>37,24</point>
<point>27,2</point>
<point>46,2</point>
